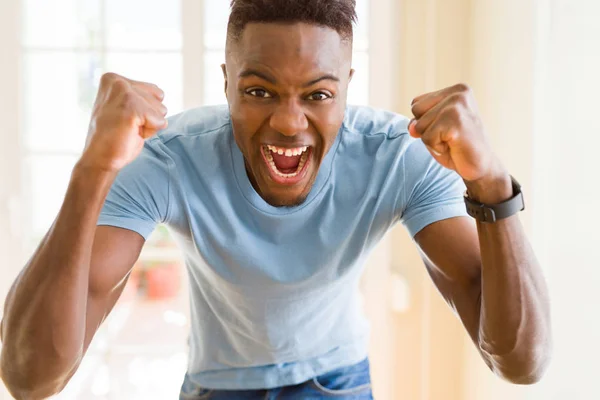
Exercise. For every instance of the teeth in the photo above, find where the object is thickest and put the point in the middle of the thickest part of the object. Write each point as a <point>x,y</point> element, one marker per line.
<point>298,151</point>
<point>287,152</point>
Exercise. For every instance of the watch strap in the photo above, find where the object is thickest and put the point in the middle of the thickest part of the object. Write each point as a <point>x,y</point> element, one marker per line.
<point>494,212</point>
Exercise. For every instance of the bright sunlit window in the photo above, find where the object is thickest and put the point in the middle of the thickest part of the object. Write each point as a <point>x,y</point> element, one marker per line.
<point>67,45</point>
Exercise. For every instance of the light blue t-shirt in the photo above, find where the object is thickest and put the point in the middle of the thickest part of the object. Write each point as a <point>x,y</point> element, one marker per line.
<point>274,291</point>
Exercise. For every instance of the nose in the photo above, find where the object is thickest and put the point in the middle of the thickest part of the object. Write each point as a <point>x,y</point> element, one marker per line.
<point>289,118</point>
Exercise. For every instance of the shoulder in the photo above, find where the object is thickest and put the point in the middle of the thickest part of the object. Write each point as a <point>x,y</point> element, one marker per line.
<point>374,132</point>
<point>368,121</point>
<point>195,122</point>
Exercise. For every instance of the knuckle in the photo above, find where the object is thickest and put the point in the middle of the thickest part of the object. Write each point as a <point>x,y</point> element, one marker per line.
<point>110,79</point>
<point>462,88</point>
<point>456,97</point>
<point>107,77</point>
<point>121,85</point>
<point>129,99</point>
<point>415,108</point>
<point>158,90</point>
<point>454,114</point>
<point>459,100</point>
<point>420,126</point>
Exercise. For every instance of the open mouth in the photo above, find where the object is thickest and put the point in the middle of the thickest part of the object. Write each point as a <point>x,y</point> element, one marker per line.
<point>287,165</point>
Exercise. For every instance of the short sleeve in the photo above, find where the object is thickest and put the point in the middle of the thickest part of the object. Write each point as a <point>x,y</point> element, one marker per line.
<point>139,198</point>
<point>431,192</point>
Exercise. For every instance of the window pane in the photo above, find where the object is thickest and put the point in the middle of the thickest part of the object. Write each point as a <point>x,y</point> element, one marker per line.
<point>215,21</point>
<point>214,84</point>
<point>47,177</point>
<point>164,70</point>
<point>143,24</point>
<point>358,92</point>
<point>61,23</point>
<point>60,89</point>
<point>361,30</point>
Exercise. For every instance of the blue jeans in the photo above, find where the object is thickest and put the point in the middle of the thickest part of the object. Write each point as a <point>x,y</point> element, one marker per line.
<point>346,383</point>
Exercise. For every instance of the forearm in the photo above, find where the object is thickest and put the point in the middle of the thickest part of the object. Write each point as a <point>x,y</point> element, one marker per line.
<point>45,313</point>
<point>514,329</point>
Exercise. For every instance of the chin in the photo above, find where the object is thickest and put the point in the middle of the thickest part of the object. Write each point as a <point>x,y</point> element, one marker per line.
<point>286,200</point>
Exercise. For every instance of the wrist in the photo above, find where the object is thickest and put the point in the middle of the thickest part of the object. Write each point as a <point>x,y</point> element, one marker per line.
<point>493,188</point>
<point>85,173</point>
<point>94,161</point>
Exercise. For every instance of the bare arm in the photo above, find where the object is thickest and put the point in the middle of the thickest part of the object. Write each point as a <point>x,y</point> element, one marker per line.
<point>62,295</point>
<point>489,274</point>
<point>76,275</point>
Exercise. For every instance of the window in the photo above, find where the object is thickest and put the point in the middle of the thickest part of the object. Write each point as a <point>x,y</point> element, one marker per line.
<point>67,45</point>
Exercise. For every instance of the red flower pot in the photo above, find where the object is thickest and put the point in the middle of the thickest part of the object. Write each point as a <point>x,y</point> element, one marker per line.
<point>163,281</point>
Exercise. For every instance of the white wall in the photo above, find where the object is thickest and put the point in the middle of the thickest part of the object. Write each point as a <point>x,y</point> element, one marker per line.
<point>567,144</point>
<point>534,66</point>
<point>429,338</point>
<point>541,83</point>
<point>501,72</point>
<point>10,241</point>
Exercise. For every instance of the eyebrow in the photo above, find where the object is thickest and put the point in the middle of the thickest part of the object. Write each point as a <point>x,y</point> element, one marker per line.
<point>252,72</point>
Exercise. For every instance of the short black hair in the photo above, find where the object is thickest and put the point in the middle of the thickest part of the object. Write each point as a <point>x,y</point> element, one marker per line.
<point>339,15</point>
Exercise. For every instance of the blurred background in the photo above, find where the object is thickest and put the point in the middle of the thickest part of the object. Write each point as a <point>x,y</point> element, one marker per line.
<point>534,66</point>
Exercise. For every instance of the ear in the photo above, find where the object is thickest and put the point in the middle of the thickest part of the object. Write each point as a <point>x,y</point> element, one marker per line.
<point>224,69</point>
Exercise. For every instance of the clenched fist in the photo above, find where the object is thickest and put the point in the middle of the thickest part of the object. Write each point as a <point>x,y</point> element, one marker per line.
<point>125,113</point>
<point>449,124</point>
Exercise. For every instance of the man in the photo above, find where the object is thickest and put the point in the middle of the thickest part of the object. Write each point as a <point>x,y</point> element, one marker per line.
<point>276,201</point>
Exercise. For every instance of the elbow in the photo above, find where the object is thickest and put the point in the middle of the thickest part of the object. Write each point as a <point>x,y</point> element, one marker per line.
<point>32,383</point>
<point>526,368</point>
<point>22,388</point>
<point>522,377</point>
<point>28,393</point>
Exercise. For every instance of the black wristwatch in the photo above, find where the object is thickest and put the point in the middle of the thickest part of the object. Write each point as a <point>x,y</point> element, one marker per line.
<point>494,212</point>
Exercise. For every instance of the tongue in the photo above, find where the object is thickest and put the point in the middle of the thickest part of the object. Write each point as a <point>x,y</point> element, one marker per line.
<point>286,164</point>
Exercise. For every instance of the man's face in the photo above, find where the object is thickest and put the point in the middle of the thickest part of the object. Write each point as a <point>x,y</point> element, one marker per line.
<point>286,86</point>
